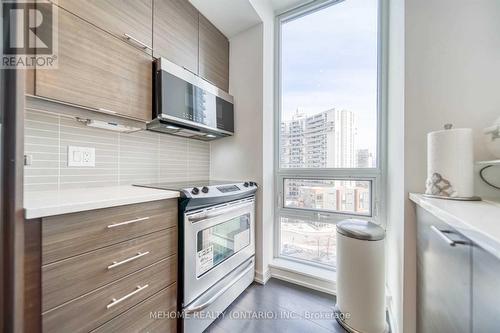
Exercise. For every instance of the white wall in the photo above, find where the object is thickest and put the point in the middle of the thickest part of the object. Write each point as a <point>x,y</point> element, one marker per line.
<point>451,75</point>
<point>395,196</point>
<point>240,157</point>
<point>249,153</point>
<point>266,13</point>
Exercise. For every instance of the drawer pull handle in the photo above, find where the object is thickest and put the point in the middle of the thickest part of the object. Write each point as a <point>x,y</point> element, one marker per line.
<point>118,263</point>
<point>115,301</point>
<point>136,41</point>
<point>128,222</point>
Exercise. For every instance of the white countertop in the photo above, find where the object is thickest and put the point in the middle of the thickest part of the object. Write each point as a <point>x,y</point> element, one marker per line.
<point>477,220</point>
<point>47,203</point>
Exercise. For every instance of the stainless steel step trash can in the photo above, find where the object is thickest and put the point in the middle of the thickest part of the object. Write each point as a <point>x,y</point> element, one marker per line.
<point>361,277</point>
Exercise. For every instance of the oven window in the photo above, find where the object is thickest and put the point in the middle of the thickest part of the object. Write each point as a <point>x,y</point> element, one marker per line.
<point>219,242</point>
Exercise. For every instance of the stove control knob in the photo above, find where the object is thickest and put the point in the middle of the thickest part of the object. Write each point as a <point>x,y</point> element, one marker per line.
<point>204,189</point>
<point>246,184</point>
<point>252,184</point>
<point>195,190</point>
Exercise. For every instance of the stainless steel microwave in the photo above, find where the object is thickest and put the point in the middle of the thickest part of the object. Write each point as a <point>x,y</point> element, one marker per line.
<point>187,105</point>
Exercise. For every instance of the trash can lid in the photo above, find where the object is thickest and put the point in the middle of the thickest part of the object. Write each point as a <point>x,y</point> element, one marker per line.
<point>360,229</point>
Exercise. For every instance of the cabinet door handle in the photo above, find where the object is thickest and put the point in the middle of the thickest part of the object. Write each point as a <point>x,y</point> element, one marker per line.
<point>128,222</point>
<point>138,42</point>
<point>115,301</point>
<point>119,263</point>
<point>106,110</point>
<point>443,236</point>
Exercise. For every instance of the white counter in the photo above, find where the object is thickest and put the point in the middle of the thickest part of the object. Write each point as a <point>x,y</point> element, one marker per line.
<point>48,203</point>
<point>477,220</point>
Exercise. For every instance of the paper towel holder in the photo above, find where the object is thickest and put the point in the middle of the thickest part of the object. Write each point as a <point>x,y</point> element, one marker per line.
<point>449,126</point>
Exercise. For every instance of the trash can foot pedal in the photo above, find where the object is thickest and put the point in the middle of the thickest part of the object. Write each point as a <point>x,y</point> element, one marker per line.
<point>339,316</point>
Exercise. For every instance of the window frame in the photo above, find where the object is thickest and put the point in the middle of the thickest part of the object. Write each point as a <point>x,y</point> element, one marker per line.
<point>376,175</point>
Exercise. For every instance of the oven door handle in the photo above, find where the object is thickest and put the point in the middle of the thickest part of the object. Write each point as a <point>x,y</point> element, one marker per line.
<point>197,307</point>
<point>205,215</point>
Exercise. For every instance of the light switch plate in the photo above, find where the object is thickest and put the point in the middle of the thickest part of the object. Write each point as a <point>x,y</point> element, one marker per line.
<point>81,156</point>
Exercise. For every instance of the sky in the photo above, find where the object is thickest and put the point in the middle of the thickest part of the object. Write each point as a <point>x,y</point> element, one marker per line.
<point>329,60</point>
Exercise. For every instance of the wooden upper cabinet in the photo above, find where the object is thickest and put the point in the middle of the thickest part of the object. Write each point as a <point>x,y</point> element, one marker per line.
<point>97,70</point>
<point>130,20</point>
<point>175,32</point>
<point>214,54</point>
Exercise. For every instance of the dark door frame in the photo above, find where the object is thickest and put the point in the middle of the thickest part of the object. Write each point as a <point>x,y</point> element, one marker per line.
<point>11,197</point>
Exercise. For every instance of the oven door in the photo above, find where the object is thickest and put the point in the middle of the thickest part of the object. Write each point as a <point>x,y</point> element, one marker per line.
<point>216,241</point>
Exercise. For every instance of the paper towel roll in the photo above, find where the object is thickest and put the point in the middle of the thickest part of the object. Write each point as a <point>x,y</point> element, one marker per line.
<point>450,162</point>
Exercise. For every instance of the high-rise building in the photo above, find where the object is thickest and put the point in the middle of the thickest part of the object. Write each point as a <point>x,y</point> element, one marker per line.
<point>345,139</point>
<point>323,140</point>
<point>365,159</point>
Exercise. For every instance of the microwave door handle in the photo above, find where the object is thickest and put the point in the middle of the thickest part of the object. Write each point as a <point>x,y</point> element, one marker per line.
<point>200,307</point>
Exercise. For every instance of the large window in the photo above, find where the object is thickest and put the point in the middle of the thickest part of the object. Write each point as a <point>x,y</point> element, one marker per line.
<point>328,163</point>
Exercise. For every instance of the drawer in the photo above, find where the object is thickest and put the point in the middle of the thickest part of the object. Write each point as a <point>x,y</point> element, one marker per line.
<point>98,307</point>
<point>139,318</point>
<point>64,236</point>
<point>67,279</point>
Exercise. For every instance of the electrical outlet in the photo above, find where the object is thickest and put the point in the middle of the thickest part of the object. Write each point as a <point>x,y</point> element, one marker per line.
<point>28,160</point>
<point>81,156</point>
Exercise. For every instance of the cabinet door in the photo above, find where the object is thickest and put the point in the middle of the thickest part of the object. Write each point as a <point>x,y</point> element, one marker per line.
<point>214,55</point>
<point>443,278</point>
<point>485,291</point>
<point>131,20</point>
<point>97,70</point>
<point>175,33</point>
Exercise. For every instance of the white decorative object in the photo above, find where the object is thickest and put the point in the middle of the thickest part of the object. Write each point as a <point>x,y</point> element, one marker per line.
<point>492,138</point>
<point>450,161</point>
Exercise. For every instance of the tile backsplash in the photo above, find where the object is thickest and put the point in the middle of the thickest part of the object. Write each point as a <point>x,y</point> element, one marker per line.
<point>121,158</point>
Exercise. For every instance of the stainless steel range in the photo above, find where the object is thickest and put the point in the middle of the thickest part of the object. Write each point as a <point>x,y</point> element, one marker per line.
<point>216,247</point>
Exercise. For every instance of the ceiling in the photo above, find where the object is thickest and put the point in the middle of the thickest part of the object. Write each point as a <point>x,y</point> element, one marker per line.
<point>229,16</point>
<point>234,16</point>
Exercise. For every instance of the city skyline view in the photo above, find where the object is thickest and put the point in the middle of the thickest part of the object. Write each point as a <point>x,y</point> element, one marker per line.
<point>329,61</point>
<point>327,139</point>
<point>328,120</point>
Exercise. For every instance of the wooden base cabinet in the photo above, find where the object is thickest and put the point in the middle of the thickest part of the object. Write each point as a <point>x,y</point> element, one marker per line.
<point>120,275</point>
<point>94,309</point>
<point>97,70</point>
